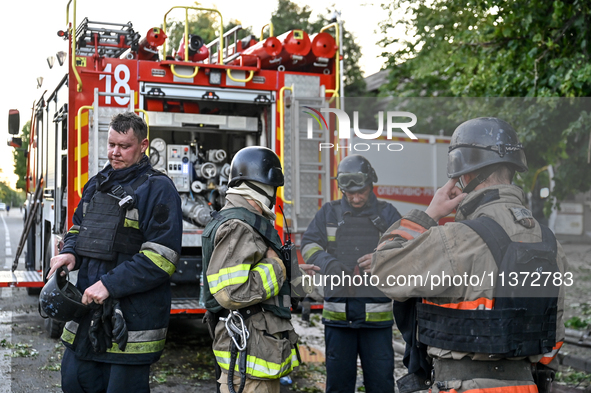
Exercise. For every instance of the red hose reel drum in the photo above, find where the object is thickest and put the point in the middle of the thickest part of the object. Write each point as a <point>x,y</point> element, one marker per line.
<point>267,51</point>
<point>295,42</point>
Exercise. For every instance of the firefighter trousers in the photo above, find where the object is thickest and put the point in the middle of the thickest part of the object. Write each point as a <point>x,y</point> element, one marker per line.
<point>251,386</point>
<point>82,376</point>
<point>374,347</point>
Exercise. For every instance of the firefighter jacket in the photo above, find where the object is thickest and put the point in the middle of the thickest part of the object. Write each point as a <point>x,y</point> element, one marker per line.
<point>138,276</point>
<point>239,276</point>
<point>339,235</point>
<point>416,248</point>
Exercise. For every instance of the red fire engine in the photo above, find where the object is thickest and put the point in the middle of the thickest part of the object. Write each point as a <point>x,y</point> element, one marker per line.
<point>202,105</point>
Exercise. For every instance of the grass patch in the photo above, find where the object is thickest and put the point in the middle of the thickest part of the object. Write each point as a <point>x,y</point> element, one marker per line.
<point>574,378</point>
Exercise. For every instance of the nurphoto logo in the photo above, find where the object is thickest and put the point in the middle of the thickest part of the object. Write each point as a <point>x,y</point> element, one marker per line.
<point>344,127</point>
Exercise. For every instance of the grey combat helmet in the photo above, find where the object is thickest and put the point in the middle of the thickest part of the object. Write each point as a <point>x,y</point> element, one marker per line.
<point>481,142</point>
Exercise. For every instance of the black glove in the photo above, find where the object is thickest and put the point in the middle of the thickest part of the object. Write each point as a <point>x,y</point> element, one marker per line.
<point>106,320</point>
<point>119,330</point>
<point>336,268</point>
<point>343,286</point>
<point>96,333</point>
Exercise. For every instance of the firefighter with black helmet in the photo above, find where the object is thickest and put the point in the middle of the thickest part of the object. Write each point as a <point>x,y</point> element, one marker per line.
<point>125,243</point>
<point>357,319</point>
<point>247,294</point>
<point>484,333</point>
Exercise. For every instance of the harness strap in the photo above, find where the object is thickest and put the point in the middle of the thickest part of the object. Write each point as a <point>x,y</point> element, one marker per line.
<point>493,235</point>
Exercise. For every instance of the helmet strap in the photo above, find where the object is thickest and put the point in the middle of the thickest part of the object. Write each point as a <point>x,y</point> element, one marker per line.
<point>480,178</point>
<point>258,189</point>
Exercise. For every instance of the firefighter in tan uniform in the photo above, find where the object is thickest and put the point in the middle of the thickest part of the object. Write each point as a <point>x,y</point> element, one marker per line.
<point>482,332</point>
<point>246,290</point>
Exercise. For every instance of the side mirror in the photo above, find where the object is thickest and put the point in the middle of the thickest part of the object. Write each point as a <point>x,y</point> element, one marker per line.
<point>14,121</point>
<point>16,142</point>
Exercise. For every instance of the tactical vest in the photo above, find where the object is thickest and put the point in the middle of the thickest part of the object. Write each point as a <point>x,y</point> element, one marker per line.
<point>105,230</point>
<point>523,319</point>
<point>355,237</point>
<point>266,230</point>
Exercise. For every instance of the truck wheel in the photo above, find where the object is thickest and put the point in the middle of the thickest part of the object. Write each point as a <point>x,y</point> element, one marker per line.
<point>33,291</point>
<point>54,328</point>
<point>37,291</point>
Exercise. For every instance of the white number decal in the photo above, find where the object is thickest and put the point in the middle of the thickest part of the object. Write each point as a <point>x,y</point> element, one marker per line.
<point>121,83</point>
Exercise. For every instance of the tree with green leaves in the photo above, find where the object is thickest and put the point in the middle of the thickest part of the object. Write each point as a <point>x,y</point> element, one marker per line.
<point>502,48</point>
<point>10,196</point>
<point>289,16</point>
<point>20,157</point>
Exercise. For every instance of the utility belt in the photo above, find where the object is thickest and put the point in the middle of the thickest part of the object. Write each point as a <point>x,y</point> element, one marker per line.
<point>445,370</point>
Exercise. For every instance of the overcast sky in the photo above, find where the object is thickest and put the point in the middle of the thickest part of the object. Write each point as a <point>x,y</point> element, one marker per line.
<point>31,36</point>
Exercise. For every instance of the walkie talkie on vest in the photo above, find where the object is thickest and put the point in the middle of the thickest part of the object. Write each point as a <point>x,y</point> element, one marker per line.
<point>287,249</point>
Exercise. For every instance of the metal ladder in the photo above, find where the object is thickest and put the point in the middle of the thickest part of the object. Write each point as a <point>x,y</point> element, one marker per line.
<point>99,129</point>
<point>308,176</point>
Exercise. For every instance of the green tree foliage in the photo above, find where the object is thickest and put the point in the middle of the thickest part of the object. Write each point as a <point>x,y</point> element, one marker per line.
<point>203,23</point>
<point>10,196</point>
<point>502,48</point>
<point>289,16</point>
<point>20,159</point>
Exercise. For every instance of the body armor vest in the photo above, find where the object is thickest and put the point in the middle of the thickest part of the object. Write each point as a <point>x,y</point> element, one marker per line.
<point>266,230</point>
<point>103,233</point>
<point>356,236</point>
<point>523,319</point>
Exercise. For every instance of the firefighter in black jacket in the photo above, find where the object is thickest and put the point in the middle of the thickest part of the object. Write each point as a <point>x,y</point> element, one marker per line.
<point>125,242</point>
<point>358,320</point>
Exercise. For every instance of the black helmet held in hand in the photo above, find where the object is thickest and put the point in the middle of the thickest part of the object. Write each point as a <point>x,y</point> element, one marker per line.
<point>60,299</point>
<point>481,142</point>
<point>256,163</point>
<point>355,173</point>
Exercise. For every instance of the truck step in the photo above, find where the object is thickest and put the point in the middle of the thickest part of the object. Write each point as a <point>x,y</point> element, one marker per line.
<point>21,278</point>
<point>186,306</point>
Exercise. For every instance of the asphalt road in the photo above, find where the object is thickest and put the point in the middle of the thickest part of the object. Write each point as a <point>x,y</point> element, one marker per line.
<point>30,361</point>
<point>11,226</point>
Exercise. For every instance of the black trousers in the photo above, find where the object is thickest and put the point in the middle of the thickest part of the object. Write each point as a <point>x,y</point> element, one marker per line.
<point>82,376</point>
<point>374,347</point>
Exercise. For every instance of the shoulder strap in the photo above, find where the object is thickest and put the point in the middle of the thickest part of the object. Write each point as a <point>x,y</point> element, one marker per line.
<point>134,185</point>
<point>493,235</point>
<point>377,220</point>
<point>338,211</point>
<point>259,223</point>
